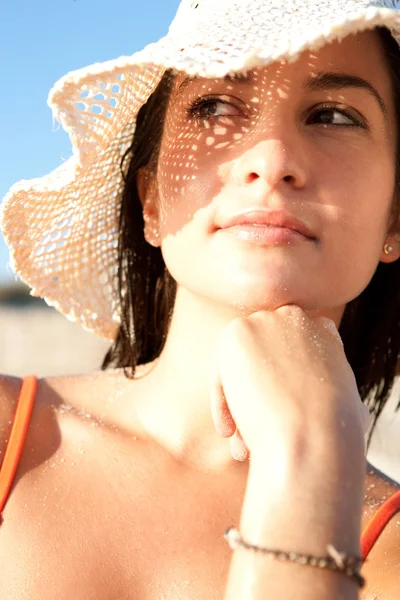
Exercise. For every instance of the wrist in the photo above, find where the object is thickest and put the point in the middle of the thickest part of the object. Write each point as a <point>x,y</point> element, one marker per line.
<point>298,512</point>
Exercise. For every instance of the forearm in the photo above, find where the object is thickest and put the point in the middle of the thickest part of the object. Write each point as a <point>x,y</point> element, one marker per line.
<point>295,521</point>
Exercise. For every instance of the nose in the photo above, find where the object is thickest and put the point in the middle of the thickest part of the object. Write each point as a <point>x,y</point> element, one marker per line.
<point>275,162</point>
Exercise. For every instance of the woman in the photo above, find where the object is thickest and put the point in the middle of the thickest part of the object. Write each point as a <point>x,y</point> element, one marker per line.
<point>257,215</point>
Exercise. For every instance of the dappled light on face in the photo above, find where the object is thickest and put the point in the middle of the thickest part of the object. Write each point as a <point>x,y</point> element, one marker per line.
<point>207,123</point>
<point>282,138</point>
<point>221,145</point>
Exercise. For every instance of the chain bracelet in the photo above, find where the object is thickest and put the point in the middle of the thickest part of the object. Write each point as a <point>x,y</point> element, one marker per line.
<point>336,561</point>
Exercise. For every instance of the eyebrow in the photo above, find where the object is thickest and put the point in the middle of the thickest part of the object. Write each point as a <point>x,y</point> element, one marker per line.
<point>322,81</point>
<point>333,81</point>
<point>237,78</point>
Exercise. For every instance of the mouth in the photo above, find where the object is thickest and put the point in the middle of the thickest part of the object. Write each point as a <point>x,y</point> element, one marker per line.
<point>266,235</point>
<point>269,227</point>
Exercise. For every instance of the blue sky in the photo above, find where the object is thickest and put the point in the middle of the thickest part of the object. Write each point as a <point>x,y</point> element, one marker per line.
<point>41,40</point>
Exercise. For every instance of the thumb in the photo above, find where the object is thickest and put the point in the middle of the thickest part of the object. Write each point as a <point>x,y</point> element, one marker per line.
<point>366,417</point>
<point>220,413</point>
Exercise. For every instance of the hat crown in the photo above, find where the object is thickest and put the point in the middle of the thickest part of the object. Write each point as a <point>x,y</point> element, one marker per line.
<point>191,12</point>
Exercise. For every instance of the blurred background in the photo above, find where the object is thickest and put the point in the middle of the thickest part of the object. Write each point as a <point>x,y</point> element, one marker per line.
<point>41,40</point>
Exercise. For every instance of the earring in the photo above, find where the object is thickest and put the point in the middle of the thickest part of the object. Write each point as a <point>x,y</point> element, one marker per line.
<point>387,248</point>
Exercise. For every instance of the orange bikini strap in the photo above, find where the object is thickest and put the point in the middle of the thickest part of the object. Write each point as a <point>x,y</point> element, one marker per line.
<point>378,522</point>
<point>17,437</point>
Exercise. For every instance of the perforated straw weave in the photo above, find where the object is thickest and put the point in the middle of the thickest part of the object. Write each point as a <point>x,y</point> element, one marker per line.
<point>62,228</point>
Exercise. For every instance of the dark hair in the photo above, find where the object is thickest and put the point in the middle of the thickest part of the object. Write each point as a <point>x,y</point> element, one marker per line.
<point>146,289</point>
<point>370,328</point>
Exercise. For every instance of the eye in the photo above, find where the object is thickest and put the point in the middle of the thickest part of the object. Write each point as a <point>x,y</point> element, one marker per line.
<point>211,107</point>
<point>330,115</point>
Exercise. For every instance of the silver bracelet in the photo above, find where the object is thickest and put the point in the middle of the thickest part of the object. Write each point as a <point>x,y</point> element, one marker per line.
<point>336,561</point>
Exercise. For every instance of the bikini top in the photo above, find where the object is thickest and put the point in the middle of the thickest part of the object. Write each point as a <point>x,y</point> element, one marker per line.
<point>16,443</point>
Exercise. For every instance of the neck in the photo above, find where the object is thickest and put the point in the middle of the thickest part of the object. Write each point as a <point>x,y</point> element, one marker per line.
<point>176,410</point>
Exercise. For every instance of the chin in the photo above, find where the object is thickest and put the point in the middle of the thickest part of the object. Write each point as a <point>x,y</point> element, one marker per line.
<point>254,298</point>
<point>270,286</point>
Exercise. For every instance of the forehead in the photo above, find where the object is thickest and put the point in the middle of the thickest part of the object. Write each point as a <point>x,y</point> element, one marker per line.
<point>361,54</point>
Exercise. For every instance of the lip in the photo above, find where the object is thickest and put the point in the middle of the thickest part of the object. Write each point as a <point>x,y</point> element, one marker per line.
<point>260,218</point>
<point>266,235</point>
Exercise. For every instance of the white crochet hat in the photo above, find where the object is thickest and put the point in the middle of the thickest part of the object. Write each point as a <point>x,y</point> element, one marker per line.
<point>62,228</point>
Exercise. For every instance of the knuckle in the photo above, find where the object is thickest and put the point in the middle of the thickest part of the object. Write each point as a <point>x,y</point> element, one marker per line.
<point>327,322</point>
<point>330,325</point>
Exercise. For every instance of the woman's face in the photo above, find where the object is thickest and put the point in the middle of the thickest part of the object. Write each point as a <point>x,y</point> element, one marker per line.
<point>309,141</point>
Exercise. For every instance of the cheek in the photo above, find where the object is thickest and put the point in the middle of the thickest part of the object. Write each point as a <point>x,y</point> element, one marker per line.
<point>373,207</point>
<point>187,182</point>
<point>357,216</point>
<point>181,196</point>
<point>359,190</point>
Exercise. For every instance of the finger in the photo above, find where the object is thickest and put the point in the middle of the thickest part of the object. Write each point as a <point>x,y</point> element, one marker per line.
<point>238,448</point>
<point>221,415</point>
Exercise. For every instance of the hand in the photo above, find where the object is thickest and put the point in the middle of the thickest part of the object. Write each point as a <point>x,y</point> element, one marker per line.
<point>282,383</point>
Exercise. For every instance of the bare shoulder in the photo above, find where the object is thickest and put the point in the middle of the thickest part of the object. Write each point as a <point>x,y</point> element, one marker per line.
<point>43,423</point>
<point>78,395</point>
<point>378,487</point>
<point>382,567</point>
<point>68,412</point>
<point>86,396</point>
<point>74,473</point>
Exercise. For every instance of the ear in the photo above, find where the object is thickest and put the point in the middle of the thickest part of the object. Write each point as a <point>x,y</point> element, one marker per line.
<point>147,191</point>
